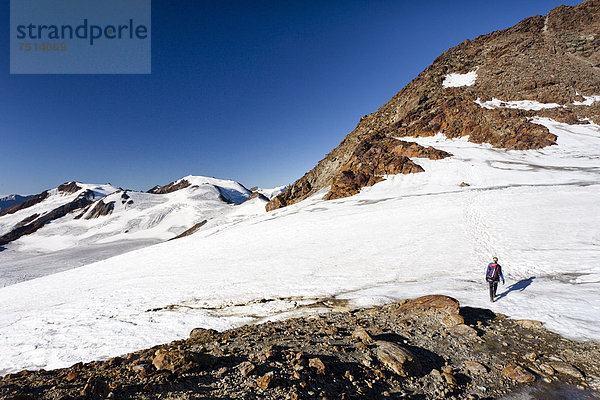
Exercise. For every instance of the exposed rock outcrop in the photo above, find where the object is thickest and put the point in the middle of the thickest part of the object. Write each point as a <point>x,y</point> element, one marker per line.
<point>375,157</point>
<point>258,195</point>
<point>69,188</point>
<point>551,59</point>
<point>101,209</point>
<point>190,231</point>
<point>171,187</point>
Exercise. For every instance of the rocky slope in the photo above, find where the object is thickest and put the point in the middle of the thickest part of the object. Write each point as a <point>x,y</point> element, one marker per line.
<point>423,348</point>
<point>552,59</point>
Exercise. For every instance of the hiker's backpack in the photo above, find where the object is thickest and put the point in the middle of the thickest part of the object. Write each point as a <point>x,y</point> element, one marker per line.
<point>492,272</point>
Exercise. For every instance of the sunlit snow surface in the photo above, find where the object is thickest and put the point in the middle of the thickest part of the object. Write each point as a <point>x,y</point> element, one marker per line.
<point>537,210</point>
<point>137,220</point>
<point>458,80</point>
<point>587,101</point>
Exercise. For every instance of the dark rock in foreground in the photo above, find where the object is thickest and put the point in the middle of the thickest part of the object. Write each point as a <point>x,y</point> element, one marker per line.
<point>425,348</point>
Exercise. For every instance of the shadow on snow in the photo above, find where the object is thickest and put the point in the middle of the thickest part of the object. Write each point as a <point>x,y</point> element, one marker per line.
<point>520,286</point>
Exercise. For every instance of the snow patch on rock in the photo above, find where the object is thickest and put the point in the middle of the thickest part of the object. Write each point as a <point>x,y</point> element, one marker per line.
<point>588,101</point>
<point>532,105</point>
<point>458,80</point>
<point>529,105</point>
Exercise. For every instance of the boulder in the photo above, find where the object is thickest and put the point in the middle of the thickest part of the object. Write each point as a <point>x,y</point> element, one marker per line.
<point>266,381</point>
<point>246,368</point>
<point>362,335</point>
<point>396,358</point>
<point>437,309</point>
<point>518,374</point>
<point>317,364</point>
<point>449,378</point>
<point>475,368</point>
<point>202,334</point>
<point>567,369</point>
<point>180,360</point>
<point>547,369</point>
<point>453,320</point>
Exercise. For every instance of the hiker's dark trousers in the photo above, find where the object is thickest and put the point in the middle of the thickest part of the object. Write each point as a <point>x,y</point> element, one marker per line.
<point>493,288</point>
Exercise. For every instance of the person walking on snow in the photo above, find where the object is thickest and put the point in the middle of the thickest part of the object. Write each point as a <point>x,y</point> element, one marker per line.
<point>493,275</point>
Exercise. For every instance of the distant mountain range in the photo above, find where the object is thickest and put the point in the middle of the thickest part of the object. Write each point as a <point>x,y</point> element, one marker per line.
<point>77,213</point>
<point>11,200</point>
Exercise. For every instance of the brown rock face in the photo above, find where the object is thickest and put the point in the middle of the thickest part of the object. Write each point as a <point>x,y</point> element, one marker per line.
<point>548,59</point>
<point>376,156</point>
<point>101,209</point>
<point>68,188</point>
<point>170,188</point>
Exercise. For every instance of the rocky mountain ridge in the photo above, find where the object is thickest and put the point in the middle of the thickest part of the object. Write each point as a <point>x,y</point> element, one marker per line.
<point>553,60</point>
<point>71,197</point>
<point>185,196</point>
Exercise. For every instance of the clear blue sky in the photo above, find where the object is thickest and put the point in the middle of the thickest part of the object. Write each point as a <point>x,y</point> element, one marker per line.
<point>253,91</point>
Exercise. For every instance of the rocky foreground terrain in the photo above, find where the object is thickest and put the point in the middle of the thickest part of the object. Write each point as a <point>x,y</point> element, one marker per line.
<point>424,348</point>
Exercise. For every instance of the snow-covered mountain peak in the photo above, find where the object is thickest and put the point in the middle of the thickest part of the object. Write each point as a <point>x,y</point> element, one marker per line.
<point>228,190</point>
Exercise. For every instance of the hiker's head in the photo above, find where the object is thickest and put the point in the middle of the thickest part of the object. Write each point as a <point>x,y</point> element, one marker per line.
<point>495,259</point>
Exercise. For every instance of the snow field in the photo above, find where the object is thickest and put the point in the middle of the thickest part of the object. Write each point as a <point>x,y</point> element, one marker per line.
<point>538,211</point>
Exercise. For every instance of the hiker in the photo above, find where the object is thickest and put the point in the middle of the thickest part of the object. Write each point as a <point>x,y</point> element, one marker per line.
<point>493,274</point>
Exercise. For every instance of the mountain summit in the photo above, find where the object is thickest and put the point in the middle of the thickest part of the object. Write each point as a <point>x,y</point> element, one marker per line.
<point>488,89</point>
